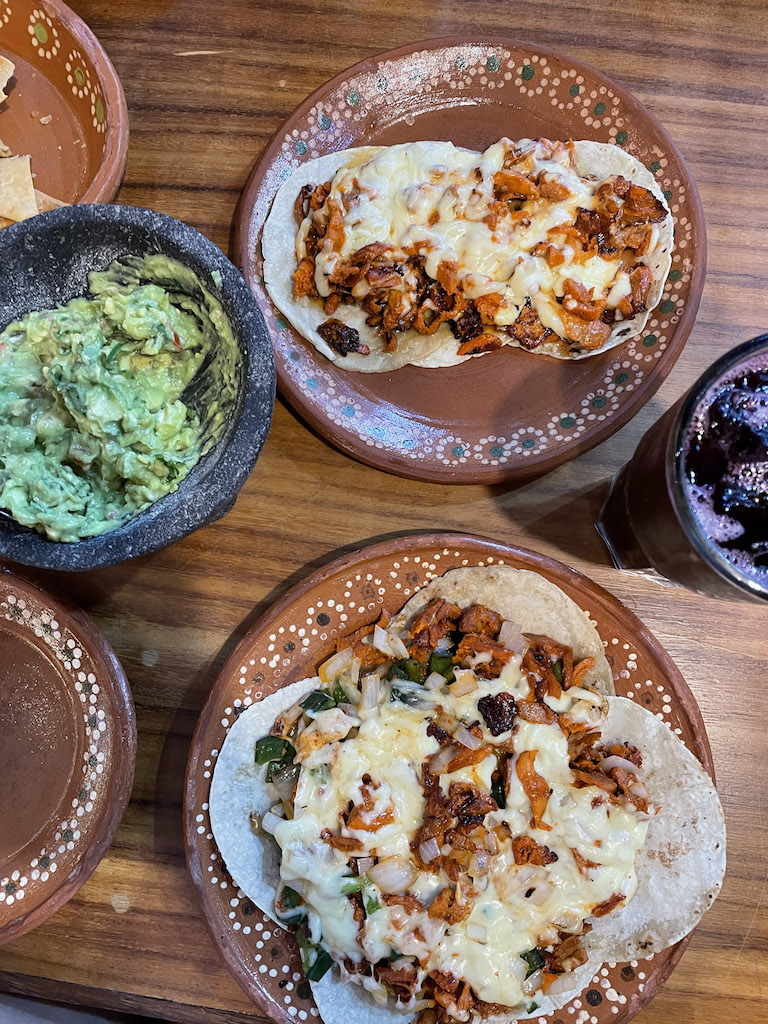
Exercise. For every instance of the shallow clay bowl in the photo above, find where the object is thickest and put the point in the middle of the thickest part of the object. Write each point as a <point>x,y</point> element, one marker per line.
<point>62,71</point>
<point>67,754</point>
<point>509,415</point>
<point>298,634</point>
<point>47,261</point>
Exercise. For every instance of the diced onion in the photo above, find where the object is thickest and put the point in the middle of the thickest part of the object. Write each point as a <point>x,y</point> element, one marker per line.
<point>434,681</point>
<point>614,761</point>
<point>381,640</point>
<point>466,738</point>
<point>511,637</point>
<point>396,646</point>
<point>388,643</point>
<point>478,932</point>
<point>479,863</point>
<point>364,865</point>
<point>534,983</point>
<point>393,875</point>
<point>269,822</point>
<point>285,780</point>
<point>336,664</point>
<point>370,686</point>
<point>444,645</point>
<point>439,762</point>
<point>466,682</point>
<point>541,892</point>
<point>491,843</point>
<point>569,921</point>
<point>429,851</point>
<point>563,983</point>
<point>447,723</point>
<point>350,710</point>
<point>354,670</point>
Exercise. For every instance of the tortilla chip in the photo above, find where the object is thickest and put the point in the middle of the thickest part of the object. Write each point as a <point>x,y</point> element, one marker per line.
<point>527,599</point>
<point>17,191</point>
<point>278,244</point>
<point>7,68</point>
<point>46,202</point>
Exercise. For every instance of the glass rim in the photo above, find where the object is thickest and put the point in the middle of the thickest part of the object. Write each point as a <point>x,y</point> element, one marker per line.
<point>675,466</point>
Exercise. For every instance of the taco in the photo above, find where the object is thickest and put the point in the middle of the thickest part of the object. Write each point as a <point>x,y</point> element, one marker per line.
<point>429,254</point>
<point>458,817</point>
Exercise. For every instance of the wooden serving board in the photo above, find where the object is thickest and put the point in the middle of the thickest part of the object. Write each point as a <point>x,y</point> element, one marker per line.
<point>133,938</point>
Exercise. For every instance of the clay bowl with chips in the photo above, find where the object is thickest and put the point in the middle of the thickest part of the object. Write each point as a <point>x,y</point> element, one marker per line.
<point>62,247</point>
<point>63,106</point>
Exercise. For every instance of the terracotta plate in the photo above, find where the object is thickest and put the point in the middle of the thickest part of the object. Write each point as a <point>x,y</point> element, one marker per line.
<point>510,415</point>
<point>294,637</point>
<point>67,753</point>
<point>62,71</point>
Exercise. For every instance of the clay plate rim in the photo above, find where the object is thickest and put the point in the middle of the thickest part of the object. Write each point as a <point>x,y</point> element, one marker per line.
<point>348,441</point>
<point>573,582</point>
<point>105,184</point>
<point>114,679</point>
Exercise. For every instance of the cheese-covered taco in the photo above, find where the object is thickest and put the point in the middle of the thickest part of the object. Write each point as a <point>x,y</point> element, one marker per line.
<point>456,815</point>
<point>429,254</point>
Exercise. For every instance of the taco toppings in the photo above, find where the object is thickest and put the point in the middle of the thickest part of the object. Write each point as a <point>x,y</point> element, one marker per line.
<point>544,245</point>
<point>462,807</point>
<point>435,842</point>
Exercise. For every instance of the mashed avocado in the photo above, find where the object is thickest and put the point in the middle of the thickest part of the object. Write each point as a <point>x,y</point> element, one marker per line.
<point>93,422</point>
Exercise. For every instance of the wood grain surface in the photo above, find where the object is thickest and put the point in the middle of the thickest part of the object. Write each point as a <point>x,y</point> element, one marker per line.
<point>133,937</point>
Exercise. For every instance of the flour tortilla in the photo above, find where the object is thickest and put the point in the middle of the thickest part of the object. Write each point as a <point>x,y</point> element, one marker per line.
<point>7,68</point>
<point>306,315</point>
<point>526,598</point>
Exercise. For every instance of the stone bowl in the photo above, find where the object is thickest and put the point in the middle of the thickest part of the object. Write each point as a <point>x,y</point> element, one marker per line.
<point>46,262</point>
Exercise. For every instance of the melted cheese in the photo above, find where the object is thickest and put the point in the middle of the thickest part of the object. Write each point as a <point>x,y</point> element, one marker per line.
<point>435,199</point>
<point>391,747</point>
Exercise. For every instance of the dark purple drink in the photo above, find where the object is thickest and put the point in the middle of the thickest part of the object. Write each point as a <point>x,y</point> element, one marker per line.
<point>693,502</point>
<point>726,467</point>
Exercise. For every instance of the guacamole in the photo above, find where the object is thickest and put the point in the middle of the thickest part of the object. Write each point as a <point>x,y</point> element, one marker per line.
<point>94,426</point>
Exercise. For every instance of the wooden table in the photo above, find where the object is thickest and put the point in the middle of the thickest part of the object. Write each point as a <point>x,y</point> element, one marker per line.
<point>133,937</point>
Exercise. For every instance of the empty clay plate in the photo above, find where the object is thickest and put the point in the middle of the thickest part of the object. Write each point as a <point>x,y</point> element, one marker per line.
<point>67,753</point>
<point>509,415</point>
<point>296,636</point>
<point>62,72</point>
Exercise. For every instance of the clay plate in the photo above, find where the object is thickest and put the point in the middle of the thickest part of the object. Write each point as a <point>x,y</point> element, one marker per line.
<point>67,755</point>
<point>62,70</point>
<point>295,636</point>
<point>510,415</point>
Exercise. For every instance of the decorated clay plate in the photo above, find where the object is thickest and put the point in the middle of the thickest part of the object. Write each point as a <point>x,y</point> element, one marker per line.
<point>298,634</point>
<point>65,104</point>
<point>67,753</point>
<point>511,415</point>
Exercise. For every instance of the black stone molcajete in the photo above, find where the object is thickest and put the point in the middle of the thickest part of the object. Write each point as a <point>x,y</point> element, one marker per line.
<point>45,262</point>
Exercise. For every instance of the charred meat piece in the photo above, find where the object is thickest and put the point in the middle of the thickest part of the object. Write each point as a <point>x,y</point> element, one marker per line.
<point>528,330</point>
<point>527,851</point>
<point>341,338</point>
<point>642,206</point>
<point>498,711</point>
